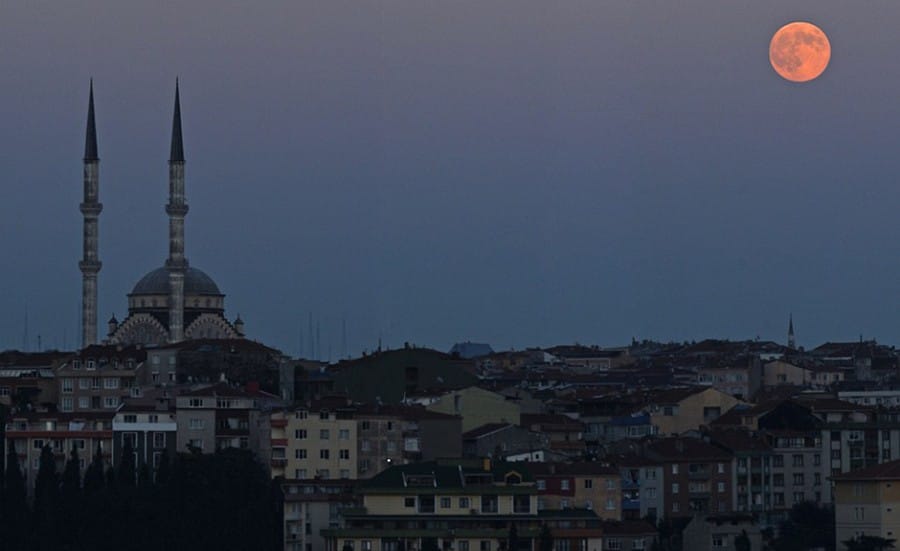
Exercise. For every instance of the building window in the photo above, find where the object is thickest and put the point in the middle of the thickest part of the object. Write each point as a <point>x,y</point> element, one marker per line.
<point>463,503</point>
<point>409,502</point>
<point>364,445</point>
<point>488,504</point>
<point>445,503</point>
<point>300,454</point>
<point>637,544</point>
<point>674,487</point>
<point>721,470</point>
<point>324,454</point>
<point>159,440</point>
<point>859,513</point>
<point>345,473</point>
<point>564,484</point>
<point>718,541</point>
<point>111,402</point>
<point>195,424</point>
<point>610,504</point>
<point>720,487</point>
<point>84,402</point>
<point>610,484</point>
<point>344,454</point>
<point>196,402</point>
<point>798,460</point>
<point>675,507</point>
<point>323,415</point>
<point>300,474</point>
<point>300,434</point>
<point>324,434</point>
<point>541,484</point>
<point>67,403</point>
<point>111,383</point>
<point>68,385</point>
<point>364,425</point>
<point>84,383</point>
<point>485,545</point>
<point>588,483</point>
<point>391,446</point>
<point>344,434</point>
<point>300,414</point>
<point>798,479</point>
<point>778,461</point>
<point>463,545</point>
<point>129,439</point>
<point>674,468</point>
<point>614,544</point>
<point>521,504</point>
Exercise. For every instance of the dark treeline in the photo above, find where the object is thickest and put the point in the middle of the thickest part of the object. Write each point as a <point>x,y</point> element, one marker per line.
<point>213,501</point>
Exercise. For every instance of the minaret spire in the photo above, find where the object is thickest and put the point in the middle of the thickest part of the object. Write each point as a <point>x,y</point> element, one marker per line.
<point>177,153</point>
<point>791,341</point>
<point>176,209</point>
<point>90,209</point>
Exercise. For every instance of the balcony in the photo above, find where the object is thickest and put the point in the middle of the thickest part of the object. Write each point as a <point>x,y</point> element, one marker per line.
<point>279,442</point>
<point>278,423</point>
<point>698,475</point>
<point>279,463</point>
<point>631,504</point>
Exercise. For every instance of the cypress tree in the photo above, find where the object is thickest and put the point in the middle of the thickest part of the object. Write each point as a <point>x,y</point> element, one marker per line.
<point>93,476</point>
<point>15,508</point>
<point>127,471</point>
<point>46,501</point>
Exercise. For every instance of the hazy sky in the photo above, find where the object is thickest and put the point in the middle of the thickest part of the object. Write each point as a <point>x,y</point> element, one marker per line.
<point>515,172</point>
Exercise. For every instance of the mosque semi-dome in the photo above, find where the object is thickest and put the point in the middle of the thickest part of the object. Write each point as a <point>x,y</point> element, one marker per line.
<point>196,282</point>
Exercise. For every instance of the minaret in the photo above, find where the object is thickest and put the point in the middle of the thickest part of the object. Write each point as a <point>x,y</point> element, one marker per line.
<point>791,342</point>
<point>90,209</point>
<point>176,209</point>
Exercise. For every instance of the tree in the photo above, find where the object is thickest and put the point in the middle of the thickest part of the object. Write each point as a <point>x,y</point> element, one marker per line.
<point>70,497</point>
<point>742,542</point>
<point>512,541</point>
<point>808,526</point>
<point>127,470</point>
<point>869,543</point>
<point>46,501</point>
<point>93,476</point>
<point>545,539</point>
<point>430,544</point>
<point>15,509</point>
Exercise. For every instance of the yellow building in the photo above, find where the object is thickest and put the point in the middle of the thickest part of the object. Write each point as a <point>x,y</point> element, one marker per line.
<point>477,407</point>
<point>312,443</point>
<point>466,505</point>
<point>867,503</point>
<point>679,410</point>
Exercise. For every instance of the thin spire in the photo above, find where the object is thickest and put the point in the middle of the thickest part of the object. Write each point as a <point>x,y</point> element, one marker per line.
<point>177,154</point>
<point>90,140</point>
<point>791,324</point>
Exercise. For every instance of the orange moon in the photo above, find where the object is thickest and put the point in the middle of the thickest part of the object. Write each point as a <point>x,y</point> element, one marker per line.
<point>799,51</point>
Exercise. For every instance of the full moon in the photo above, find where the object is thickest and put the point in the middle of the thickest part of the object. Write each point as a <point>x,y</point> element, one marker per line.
<point>799,51</point>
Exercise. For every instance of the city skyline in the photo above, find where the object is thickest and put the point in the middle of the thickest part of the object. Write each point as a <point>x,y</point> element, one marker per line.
<point>435,174</point>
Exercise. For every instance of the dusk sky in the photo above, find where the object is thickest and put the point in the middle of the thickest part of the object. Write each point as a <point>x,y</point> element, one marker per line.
<point>522,173</point>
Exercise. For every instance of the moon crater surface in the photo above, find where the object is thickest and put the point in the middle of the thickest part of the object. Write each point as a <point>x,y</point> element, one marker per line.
<point>799,51</point>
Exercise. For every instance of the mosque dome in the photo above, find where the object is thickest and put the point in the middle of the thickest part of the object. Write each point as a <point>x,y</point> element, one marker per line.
<point>196,282</point>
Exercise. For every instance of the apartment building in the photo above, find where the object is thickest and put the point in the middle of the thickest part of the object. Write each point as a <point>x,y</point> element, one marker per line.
<point>464,505</point>
<point>311,506</point>
<point>148,426</point>
<point>697,476</point>
<point>317,442</point>
<point>221,416</point>
<point>582,485</point>
<point>99,377</point>
<point>867,503</point>
<point>29,432</point>
<point>642,487</point>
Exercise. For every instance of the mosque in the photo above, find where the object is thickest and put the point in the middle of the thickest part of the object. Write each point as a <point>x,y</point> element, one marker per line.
<point>170,304</point>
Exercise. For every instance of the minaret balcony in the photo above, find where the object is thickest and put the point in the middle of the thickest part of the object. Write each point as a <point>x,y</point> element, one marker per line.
<point>176,210</point>
<point>90,209</point>
<point>90,266</point>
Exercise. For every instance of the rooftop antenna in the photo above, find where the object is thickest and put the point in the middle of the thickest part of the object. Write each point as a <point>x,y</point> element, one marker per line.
<point>25,333</point>
<point>312,343</point>
<point>318,340</point>
<point>344,337</point>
